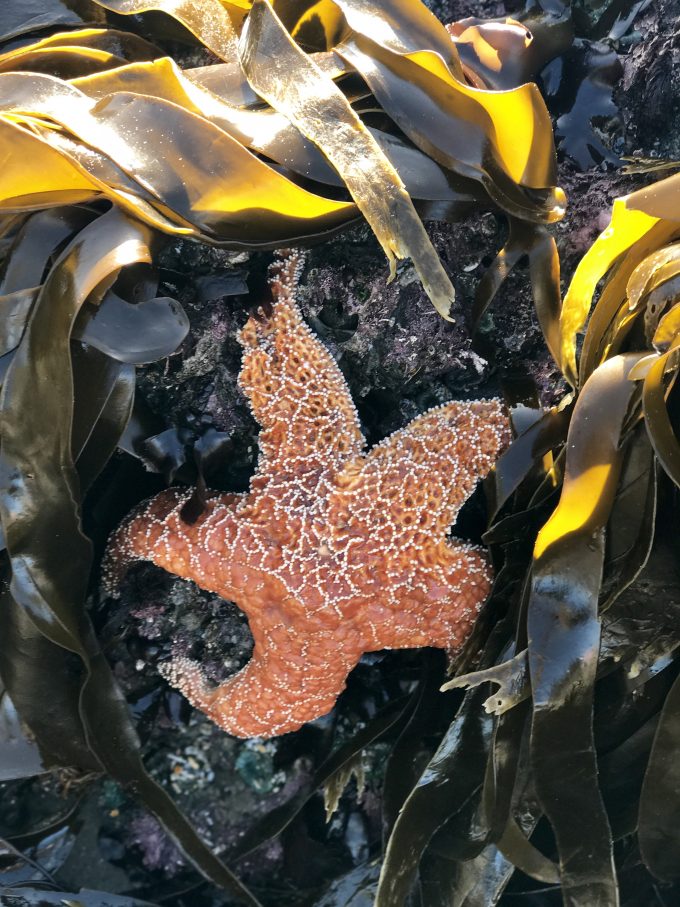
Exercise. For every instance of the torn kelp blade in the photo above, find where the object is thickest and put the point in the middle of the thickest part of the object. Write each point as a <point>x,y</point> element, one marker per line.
<point>512,678</point>
<point>659,812</point>
<point>564,636</point>
<point>39,501</point>
<point>316,106</point>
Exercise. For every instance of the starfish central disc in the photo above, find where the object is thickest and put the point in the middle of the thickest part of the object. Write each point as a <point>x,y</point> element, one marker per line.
<point>333,552</point>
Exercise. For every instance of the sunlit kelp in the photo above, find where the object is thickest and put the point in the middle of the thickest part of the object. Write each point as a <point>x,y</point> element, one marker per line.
<point>463,148</point>
<point>579,727</point>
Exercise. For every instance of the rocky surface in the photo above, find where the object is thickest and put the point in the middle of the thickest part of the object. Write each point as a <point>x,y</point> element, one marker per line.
<point>399,358</point>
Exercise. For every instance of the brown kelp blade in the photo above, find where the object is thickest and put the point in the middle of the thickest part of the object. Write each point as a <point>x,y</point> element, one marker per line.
<point>297,87</point>
<point>40,501</point>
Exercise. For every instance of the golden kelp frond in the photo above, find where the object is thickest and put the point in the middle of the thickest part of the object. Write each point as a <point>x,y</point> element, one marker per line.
<point>180,163</point>
<point>629,252</point>
<point>319,109</point>
<point>462,147</point>
<point>74,53</point>
<point>639,305</point>
<point>410,68</point>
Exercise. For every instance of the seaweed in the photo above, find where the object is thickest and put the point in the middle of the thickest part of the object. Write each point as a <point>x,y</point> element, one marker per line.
<point>572,706</point>
<point>565,736</point>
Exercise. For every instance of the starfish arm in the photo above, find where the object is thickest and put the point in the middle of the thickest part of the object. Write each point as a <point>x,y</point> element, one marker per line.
<point>448,583</point>
<point>412,485</point>
<point>155,531</point>
<point>296,391</point>
<point>291,679</point>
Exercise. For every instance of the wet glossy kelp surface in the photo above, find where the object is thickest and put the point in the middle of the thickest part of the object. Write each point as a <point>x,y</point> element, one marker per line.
<point>553,777</point>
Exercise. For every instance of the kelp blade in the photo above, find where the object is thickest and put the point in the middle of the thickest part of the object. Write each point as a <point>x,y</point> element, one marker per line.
<point>633,217</point>
<point>297,87</point>
<point>564,636</point>
<point>217,185</point>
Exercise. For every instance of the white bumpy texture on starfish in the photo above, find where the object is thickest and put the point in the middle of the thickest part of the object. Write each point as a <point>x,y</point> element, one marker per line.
<point>333,552</point>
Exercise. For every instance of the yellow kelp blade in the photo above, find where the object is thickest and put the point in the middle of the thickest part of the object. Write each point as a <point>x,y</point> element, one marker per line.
<point>520,131</point>
<point>597,337</point>
<point>208,20</point>
<point>655,390</point>
<point>65,62</point>
<point>43,172</point>
<point>30,16</point>
<point>651,272</point>
<point>594,456</point>
<point>505,53</point>
<point>270,133</point>
<point>315,25</point>
<point>117,44</point>
<point>35,176</point>
<point>474,133</point>
<point>668,329</point>
<point>289,80</point>
<point>633,218</point>
<point>188,164</point>
<point>521,122</point>
<point>494,51</point>
<point>403,27</point>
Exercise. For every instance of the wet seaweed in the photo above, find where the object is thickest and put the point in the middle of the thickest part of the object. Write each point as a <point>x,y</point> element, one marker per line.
<point>582,705</point>
<point>572,706</point>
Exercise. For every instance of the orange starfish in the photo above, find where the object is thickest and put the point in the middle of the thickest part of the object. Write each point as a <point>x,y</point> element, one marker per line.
<point>333,552</point>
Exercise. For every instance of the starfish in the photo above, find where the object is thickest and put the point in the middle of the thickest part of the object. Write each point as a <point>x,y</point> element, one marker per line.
<point>332,552</point>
